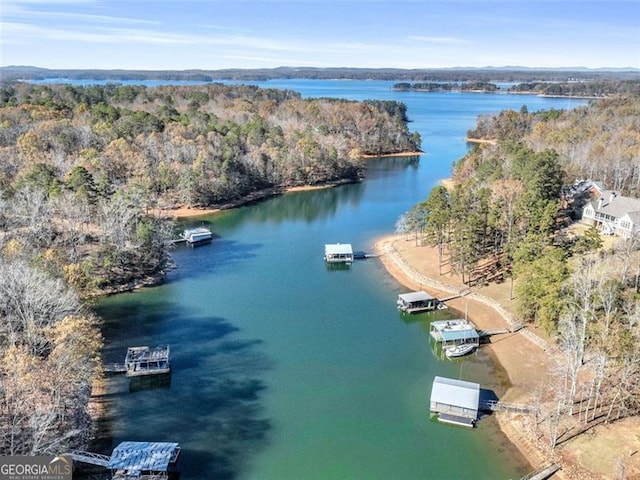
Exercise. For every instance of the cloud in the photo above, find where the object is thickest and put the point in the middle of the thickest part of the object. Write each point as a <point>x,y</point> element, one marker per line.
<point>22,33</point>
<point>21,10</point>
<point>438,40</point>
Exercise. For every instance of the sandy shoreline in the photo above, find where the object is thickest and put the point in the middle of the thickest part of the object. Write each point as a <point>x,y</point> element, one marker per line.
<point>525,358</point>
<point>517,354</point>
<point>189,212</point>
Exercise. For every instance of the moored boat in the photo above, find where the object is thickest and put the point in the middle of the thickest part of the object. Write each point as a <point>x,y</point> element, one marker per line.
<point>459,350</point>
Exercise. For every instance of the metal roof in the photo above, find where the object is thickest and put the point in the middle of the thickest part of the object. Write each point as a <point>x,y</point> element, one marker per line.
<point>195,231</point>
<point>143,456</point>
<point>451,335</point>
<point>459,393</point>
<point>415,297</point>
<point>451,330</point>
<point>338,249</point>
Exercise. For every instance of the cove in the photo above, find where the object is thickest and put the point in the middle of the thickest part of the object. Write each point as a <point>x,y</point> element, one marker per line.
<point>285,369</point>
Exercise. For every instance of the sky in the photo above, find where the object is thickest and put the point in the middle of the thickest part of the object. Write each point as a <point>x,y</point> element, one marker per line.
<point>218,34</point>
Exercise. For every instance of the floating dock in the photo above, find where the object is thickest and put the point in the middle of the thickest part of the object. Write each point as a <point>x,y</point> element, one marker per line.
<point>455,401</point>
<point>197,236</point>
<point>458,337</point>
<point>415,302</point>
<point>136,460</point>
<point>147,361</point>
<point>458,402</point>
<point>338,253</point>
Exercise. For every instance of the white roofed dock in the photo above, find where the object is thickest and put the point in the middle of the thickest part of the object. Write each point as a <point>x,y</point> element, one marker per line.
<point>197,236</point>
<point>338,253</point>
<point>414,302</point>
<point>455,401</point>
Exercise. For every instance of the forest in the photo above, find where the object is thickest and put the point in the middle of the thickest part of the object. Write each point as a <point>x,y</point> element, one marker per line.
<point>505,220</point>
<point>83,168</point>
<point>84,172</point>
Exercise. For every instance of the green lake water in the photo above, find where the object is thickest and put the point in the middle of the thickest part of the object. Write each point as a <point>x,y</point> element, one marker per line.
<point>285,369</point>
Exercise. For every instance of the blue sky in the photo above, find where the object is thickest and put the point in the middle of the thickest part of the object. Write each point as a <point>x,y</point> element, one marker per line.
<point>214,34</point>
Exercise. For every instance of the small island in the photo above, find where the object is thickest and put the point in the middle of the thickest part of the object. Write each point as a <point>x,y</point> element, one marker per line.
<point>476,87</point>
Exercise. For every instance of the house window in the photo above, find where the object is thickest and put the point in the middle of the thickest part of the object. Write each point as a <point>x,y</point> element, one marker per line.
<point>625,224</point>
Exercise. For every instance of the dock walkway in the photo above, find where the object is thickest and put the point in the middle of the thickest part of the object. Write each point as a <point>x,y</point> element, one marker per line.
<point>115,368</point>
<point>489,333</point>
<point>496,406</point>
<point>90,458</point>
<point>543,472</point>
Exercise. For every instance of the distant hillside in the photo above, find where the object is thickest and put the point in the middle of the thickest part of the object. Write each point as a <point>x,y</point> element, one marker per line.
<point>489,74</point>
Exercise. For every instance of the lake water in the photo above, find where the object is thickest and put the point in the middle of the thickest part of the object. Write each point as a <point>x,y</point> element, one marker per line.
<point>285,369</point>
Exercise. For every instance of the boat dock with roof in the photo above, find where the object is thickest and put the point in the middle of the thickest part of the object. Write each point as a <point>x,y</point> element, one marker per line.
<point>415,302</point>
<point>338,253</point>
<point>458,337</point>
<point>147,361</point>
<point>136,460</point>
<point>458,402</point>
<point>455,401</point>
<point>197,236</point>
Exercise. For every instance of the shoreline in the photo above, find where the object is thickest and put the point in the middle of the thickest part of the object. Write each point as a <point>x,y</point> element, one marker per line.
<point>481,141</point>
<point>368,156</point>
<point>515,354</point>
<point>183,212</point>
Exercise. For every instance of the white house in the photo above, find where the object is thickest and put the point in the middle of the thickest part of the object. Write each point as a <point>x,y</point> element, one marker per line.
<point>613,213</point>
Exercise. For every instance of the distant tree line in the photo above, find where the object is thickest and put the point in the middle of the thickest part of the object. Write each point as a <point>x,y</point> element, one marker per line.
<point>591,88</point>
<point>595,88</point>
<point>264,74</point>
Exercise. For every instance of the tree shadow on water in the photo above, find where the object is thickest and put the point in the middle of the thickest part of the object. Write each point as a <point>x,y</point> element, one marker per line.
<point>212,406</point>
<point>223,389</point>
<point>219,256</point>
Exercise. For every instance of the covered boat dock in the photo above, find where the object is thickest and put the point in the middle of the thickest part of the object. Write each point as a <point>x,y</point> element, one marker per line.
<point>454,332</point>
<point>142,460</point>
<point>338,253</point>
<point>136,460</point>
<point>455,401</point>
<point>414,302</point>
<point>147,361</point>
<point>197,236</point>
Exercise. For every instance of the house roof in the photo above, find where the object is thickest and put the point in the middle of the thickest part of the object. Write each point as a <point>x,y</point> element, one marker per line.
<point>143,456</point>
<point>634,217</point>
<point>415,297</point>
<point>615,204</point>
<point>459,393</point>
<point>338,249</point>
